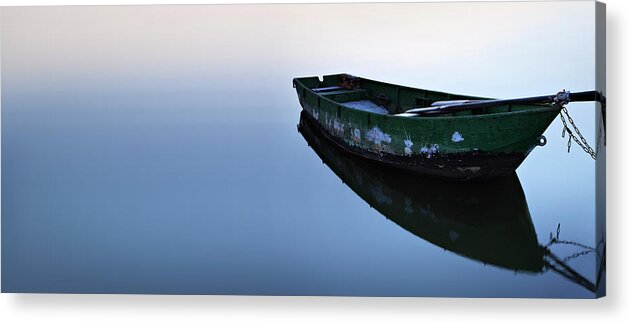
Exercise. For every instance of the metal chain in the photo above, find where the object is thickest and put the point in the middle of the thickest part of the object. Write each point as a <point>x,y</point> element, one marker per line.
<point>576,255</point>
<point>582,142</point>
<point>554,239</point>
<point>557,241</point>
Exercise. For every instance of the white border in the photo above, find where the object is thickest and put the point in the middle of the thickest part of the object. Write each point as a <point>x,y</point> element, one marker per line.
<point>24,308</point>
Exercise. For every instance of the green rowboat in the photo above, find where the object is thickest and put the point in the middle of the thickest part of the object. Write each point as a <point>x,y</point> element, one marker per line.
<point>428,132</point>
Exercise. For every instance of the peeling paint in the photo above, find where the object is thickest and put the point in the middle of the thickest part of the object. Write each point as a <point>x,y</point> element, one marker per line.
<point>408,145</point>
<point>376,136</point>
<point>338,127</point>
<point>357,135</point>
<point>430,150</point>
<point>456,137</point>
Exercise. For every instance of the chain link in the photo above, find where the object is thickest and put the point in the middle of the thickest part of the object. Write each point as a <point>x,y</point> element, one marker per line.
<point>576,255</point>
<point>554,239</point>
<point>580,140</point>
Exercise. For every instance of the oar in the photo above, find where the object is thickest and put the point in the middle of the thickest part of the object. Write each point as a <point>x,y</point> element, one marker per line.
<point>560,98</point>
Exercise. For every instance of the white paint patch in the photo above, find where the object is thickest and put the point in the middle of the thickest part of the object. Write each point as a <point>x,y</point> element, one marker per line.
<point>408,146</point>
<point>357,135</point>
<point>430,150</point>
<point>456,137</point>
<point>338,127</point>
<point>315,113</point>
<point>376,136</point>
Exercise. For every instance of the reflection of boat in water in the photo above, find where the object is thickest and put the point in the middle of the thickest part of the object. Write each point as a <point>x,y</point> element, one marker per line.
<point>427,132</point>
<point>488,222</point>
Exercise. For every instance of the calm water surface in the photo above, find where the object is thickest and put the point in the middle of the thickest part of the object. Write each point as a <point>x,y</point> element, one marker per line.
<point>146,161</point>
<point>165,204</point>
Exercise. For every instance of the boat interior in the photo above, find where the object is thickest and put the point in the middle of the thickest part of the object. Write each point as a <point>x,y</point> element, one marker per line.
<point>389,99</point>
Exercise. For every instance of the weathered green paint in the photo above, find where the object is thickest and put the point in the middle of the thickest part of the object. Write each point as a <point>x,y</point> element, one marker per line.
<point>501,129</point>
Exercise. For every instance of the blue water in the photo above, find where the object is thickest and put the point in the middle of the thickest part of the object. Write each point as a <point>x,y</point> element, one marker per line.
<point>166,204</point>
<point>158,180</point>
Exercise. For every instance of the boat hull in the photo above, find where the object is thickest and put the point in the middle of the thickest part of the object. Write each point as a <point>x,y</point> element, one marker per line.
<point>458,166</point>
<point>460,147</point>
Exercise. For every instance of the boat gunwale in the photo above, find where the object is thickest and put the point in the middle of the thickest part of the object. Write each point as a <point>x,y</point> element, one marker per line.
<point>536,107</point>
